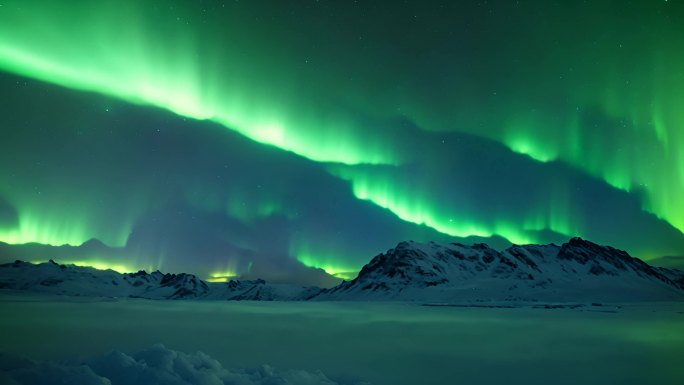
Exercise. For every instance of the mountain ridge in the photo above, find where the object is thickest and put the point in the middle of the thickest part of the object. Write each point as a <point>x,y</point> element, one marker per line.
<point>414,271</point>
<point>578,270</point>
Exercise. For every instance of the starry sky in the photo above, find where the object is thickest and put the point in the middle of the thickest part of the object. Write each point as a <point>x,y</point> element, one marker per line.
<point>293,141</point>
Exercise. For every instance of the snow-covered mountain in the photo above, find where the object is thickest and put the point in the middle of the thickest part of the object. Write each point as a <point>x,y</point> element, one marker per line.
<point>53,278</point>
<point>578,270</point>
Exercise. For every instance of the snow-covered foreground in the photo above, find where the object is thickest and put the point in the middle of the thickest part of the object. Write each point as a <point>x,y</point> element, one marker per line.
<point>380,343</point>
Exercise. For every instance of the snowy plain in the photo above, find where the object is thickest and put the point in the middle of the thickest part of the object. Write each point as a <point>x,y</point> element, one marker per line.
<point>352,342</point>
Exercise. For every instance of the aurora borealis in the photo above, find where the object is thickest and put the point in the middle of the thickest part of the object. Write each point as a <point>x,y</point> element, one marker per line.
<point>267,139</point>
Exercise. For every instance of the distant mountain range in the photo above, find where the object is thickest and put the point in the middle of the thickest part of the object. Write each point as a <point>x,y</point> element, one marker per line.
<point>577,271</point>
<point>53,278</point>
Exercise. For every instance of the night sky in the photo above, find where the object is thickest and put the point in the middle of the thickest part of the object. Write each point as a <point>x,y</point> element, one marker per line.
<point>294,141</point>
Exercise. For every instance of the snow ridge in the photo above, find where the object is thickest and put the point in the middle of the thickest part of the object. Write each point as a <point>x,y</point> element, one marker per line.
<point>70,280</point>
<point>578,270</point>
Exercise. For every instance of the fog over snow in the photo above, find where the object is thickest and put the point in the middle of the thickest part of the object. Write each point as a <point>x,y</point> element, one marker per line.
<point>348,342</point>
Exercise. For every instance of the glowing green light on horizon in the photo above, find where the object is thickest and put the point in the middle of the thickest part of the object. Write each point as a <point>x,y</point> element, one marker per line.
<point>227,271</point>
<point>309,255</point>
<point>60,228</point>
<point>70,234</point>
<point>223,276</point>
<point>333,268</point>
<point>99,265</point>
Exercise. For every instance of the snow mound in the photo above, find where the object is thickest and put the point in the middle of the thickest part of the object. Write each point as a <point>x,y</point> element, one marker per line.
<point>156,365</point>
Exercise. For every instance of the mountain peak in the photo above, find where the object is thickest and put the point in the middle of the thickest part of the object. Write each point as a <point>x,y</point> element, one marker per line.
<point>455,272</point>
<point>579,242</point>
<point>93,244</point>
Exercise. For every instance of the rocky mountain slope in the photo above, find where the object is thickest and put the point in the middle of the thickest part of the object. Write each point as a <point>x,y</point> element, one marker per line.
<point>578,270</point>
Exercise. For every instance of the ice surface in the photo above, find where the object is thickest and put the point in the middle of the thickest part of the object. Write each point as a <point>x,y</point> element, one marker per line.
<point>382,343</point>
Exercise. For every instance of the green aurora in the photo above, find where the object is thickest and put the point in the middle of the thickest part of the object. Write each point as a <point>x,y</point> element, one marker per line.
<point>596,89</point>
